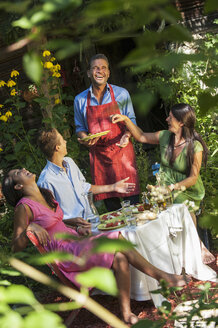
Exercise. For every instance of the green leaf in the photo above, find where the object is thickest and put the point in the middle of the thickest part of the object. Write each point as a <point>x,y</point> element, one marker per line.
<point>210,6</point>
<point>212,81</point>
<point>42,101</point>
<point>43,319</point>
<point>54,92</point>
<point>52,6</point>
<point>144,100</point>
<point>103,244</point>
<point>5,283</point>
<point>51,258</point>
<point>207,102</point>
<point>209,221</point>
<point>17,294</point>
<point>39,17</point>
<point>4,308</point>
<point>32,66</point>
<point>100,278</point>
<point>149,324</point>
<point>68,51</point>
<point>23,22</point>
<point>15,7</point>
<point>10,272</point>
<point>11,319</point>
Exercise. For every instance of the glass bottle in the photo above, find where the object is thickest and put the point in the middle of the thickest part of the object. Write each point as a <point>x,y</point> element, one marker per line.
<point>146,202</point>
<point>92,216</point>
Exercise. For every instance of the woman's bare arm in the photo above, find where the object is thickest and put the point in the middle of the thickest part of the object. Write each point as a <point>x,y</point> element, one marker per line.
<point>137,133</point>
<point>22,217</point>
<point>194,173</point>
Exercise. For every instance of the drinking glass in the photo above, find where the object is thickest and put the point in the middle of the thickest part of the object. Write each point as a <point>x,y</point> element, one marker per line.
<point>125,203</point>
<point>126,209</point>
<point>131,222</point>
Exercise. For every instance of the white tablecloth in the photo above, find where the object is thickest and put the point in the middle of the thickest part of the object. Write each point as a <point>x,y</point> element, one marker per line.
<point>170,243</point>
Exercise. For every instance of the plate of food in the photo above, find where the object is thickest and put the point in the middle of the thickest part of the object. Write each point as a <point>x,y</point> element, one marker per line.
<point>95,135</point>
<point>138,209</point>
<point>111,215</point>
<point>147,215</point>
<point>112,225</point>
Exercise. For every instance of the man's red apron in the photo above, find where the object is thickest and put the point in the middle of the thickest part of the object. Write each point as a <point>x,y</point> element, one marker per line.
<point>110,163</point>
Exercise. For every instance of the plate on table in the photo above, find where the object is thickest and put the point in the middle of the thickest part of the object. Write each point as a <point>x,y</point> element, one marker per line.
<point>96,135</point>
<point>110,225</point>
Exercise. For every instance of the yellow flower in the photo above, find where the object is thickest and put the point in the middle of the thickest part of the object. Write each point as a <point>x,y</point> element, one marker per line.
<point>3,118</point>
<point>1,105</point>
<point>57,101</point>
<point>46,53</point>
<point>14,73</point>
<point>1,149</point>
<point>2,83</point>
<point>57,67</point>
<point>52,59</point>
<point>48,65</point>
<point>11,83</point>
<point>56,74</point>
<point>8,114</point>
<point>13,92</point>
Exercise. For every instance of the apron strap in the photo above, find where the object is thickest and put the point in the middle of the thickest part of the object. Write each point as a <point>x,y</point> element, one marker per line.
<point>112,93</point>
<point>88,99</point>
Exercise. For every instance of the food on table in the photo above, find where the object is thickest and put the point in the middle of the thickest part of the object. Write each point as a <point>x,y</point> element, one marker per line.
<point>114,224</point>
<point>146,215</point>
<point>140,208</point>
<point>111,215</point>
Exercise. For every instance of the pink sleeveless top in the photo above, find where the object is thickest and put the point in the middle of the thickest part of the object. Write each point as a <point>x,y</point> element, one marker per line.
<point>52,222</point>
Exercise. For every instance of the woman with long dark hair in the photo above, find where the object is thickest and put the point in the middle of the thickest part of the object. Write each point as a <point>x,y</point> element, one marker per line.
<point>36,210</point>
<point>182,151</point>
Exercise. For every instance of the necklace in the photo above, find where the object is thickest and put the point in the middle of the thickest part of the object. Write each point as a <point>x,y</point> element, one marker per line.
<point>179,144</point>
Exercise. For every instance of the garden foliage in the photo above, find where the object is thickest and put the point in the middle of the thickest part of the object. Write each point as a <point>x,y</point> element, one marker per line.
<point>159,63</point>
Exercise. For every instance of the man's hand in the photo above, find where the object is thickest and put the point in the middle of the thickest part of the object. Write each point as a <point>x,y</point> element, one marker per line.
<point>124,140</point>
<point>123,187</point>
<point>82,231</point>
<point>40,233</point>
<point>88,143</point>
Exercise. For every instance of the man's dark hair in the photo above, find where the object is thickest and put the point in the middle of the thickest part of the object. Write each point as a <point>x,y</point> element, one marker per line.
<point>98,56</point>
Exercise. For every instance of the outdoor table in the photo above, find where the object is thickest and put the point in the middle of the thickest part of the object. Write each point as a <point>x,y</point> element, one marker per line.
<point>169,242</point>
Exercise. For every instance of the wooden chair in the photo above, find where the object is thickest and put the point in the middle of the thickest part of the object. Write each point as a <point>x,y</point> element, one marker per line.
<point>58,273</point>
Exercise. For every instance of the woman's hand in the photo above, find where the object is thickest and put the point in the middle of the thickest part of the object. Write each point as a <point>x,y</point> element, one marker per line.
<point>118,118</point>
<point>77,222</point>
<point>82,231</point>
<point>40,233</point>
<point>124,187</point>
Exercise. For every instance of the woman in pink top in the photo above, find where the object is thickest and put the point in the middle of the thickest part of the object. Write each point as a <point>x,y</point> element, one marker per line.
<point>36,210</point>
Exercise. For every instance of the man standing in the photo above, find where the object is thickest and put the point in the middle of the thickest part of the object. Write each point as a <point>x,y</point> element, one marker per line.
<point>65,180</point>
<point>112,156</point>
